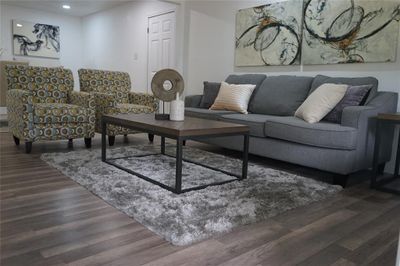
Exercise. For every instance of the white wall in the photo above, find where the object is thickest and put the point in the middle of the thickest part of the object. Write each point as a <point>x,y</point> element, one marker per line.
<point>114,36</point>
<point>211,35</point>
<point>210,38</point>
<point>70,37</point>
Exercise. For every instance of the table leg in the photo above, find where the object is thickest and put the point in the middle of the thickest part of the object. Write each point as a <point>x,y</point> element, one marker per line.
<point>162,145</point>
<point>397,165</point>
<point>178,177</point>
<point>245,155</point>
<point>103,140</point>
<point>375,171</point>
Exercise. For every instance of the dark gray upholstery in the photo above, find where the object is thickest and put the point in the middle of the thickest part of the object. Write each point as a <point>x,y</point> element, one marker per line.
<point>321,79</point>
<point>256,122</point>
<point>280,95</point>
<point>354,96</point>
<point>205,113</point>
<point>210,93</point>
<point>193,100</point>
<point>255,79</point>
<point>340,148</point>
<point>332,160</point>
<point>325,135</point>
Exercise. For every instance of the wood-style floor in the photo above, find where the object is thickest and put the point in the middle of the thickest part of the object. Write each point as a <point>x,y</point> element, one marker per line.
<point>47,219</point>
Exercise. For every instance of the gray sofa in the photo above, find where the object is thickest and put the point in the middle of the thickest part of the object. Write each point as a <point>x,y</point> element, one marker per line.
<point>342,148</point>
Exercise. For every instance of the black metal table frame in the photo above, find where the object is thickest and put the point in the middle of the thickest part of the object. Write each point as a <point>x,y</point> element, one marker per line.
<point>379,184</point>
<point>179,157</point>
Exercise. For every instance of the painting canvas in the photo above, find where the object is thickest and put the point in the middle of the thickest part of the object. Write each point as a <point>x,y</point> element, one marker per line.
<point>36,39</point>
<point>350,31</point>
<point>269,34</point>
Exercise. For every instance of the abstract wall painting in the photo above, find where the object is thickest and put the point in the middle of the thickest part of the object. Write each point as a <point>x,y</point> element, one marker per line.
<point>349,31</point>
<point>36,39</point>
<point>269,34</point>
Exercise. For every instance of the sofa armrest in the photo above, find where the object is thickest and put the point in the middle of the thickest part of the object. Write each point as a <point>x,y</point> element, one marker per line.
<point>20,113</point>
<point>364,119</point>
<point>383,102</point>
<point>193,100</point>
<point>143,99</point>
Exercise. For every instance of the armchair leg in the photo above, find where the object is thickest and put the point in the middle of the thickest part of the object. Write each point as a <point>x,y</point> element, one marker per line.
<point>88,142</point>
<point>28,146</point>
<point>111,140</point>
<point>341,180</point>
<point>16,140</point>
<point>151,137</point>
<point>381,168</point>
<point>70,143</point>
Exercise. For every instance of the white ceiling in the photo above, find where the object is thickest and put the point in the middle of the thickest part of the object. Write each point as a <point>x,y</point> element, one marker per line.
<point>79,8</point>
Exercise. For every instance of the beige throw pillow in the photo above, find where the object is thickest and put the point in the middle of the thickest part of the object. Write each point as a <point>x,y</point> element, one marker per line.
<point>319,103</point>
<point>233,97</point>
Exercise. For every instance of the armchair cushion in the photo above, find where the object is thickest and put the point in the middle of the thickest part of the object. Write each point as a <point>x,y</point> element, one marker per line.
<point>47,113</point>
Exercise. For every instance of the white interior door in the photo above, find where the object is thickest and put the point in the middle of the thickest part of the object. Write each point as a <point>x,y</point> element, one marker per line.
<point>161,44</point>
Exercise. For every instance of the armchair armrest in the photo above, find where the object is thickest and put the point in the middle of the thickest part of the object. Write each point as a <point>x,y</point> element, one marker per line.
<point>86,100</point>
<point>143,99</point>
<point>81,98</point>
<point>20,113</point>
<point>193,100</point>
<point>104,100</point>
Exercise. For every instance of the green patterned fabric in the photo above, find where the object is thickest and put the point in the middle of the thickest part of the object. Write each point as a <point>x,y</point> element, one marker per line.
<point>42,105</point>
<point>48,85</point>
<point>112,94</point>
<point>49,113</point>
<point>115,82</point>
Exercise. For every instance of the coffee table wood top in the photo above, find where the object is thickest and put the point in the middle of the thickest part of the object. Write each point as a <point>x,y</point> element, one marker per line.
<point>190,127</point>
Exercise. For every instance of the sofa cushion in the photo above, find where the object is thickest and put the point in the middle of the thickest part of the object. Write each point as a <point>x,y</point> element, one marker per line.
<point>210,92</point>
<point>255,79</point>
<point>205,113</point>
<point>323,134</point>
<point>321,79</point>
<point>280,95</point>
<point>48,113</point>
<point>355,95</point>
<point>321,102</point>
<point>255,122</point>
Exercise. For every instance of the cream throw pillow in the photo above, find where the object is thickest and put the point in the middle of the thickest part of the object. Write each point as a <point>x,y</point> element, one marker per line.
<point>319,103</point>
<point>233,97</point>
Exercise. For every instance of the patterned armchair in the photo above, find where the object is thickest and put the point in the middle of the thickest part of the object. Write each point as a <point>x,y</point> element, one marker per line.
<point>113,96</point>
<point>42,105</point>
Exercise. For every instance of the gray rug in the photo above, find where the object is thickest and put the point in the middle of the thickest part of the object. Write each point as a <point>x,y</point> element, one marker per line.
<point>196,215</point>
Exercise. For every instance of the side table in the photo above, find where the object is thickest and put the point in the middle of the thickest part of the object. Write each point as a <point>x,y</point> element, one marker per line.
<point>382,120</point>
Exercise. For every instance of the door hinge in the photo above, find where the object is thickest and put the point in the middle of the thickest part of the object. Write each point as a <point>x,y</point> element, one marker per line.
<point>148,30</point>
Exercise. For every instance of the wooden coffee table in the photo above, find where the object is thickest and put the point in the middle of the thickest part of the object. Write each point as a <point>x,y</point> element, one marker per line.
<point>191,128</point>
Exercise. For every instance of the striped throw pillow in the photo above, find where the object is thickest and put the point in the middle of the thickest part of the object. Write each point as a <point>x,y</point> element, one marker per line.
<point>233,97</point>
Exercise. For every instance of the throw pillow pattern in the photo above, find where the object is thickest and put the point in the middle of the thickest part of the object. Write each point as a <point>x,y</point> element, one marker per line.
<point>233,97</point>
<point>354,96</point>
<point>210,92</point>
<point>319,103</point>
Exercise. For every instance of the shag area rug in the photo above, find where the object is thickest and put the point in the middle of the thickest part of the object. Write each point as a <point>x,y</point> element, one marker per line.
<point>195,215</point>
